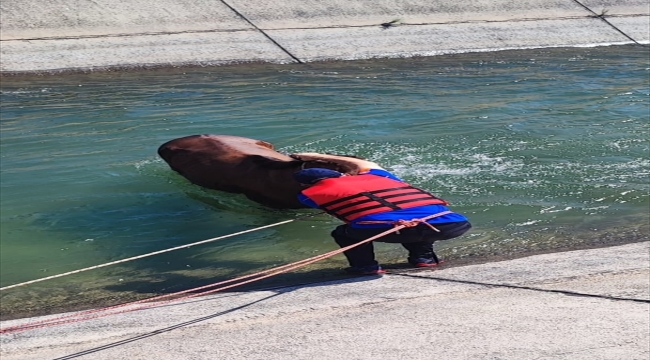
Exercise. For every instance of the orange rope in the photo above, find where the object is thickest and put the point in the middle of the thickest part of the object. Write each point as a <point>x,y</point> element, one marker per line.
<point>97,313</point>
<point>410,223</point>
<point>260,275</point>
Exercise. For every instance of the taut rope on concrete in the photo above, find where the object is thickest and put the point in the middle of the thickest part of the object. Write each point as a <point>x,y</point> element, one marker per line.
<point>263,32</point>
<point>601,16</point>
<point>242,280</point>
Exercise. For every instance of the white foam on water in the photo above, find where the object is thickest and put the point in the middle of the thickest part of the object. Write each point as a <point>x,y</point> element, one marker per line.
<point>24,91</point>
<point>531,222</point>
<point>140,165</point>
<point>430,171</point>
<point>597,207</point>
<point>553,209</point>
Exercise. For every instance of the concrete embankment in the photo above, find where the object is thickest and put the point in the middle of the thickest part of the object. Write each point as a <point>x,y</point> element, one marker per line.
<point>85,34</point>
<point>584,304</point>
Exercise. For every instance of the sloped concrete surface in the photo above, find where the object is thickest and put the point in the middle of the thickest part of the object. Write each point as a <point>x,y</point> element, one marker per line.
<point>271,14</point>
<point>636,27</point>
<point>142,50</point>
<point>430,40</point>
<point>64,35</point>
<point>33,19</point>
<point>616,7</point>
<point>586,304</point>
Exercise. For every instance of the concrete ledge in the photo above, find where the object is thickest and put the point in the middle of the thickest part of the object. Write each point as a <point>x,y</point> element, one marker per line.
<point>34,19</point>
<point>85,34</point>
<point>142,50</point>
<point>637,27</point>
<point>429,40</point>
<point>585,304</point>
<point>268,14</point>
<point>615,7</point>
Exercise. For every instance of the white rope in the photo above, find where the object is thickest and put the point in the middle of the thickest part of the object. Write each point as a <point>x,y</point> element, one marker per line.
<point>146,255</point>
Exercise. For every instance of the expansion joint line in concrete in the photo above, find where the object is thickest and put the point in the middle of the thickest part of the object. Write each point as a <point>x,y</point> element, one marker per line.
<point>519,287</point>
<point>601,16</point>
<point>262,31</point>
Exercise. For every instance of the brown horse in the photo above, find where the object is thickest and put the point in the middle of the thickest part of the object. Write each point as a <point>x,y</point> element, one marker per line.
<point>247,166</point>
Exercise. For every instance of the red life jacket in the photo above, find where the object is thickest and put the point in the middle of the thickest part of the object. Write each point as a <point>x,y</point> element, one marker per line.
<point>351,197</point>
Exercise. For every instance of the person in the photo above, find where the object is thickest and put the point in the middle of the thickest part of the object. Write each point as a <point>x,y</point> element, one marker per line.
<point>374,201</point>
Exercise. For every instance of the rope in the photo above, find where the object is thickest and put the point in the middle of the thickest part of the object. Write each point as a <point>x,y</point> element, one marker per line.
<point>154,253</point>
<point>409,223</point>
<point>262,32</point>
<point>602,17</point>
<point>97,313</point>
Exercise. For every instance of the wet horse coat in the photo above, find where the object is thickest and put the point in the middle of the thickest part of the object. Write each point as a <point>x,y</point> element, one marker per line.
<point>247,166</point>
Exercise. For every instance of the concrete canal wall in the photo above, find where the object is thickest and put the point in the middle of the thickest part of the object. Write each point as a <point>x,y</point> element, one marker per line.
<point>88,34</point>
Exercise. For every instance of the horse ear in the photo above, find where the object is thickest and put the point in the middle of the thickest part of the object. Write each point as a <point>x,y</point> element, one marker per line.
<point>265,144</point>
<point>271,163</point>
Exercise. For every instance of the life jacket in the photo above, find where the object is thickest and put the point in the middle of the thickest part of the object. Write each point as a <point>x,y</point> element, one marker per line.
<point>351,197</point>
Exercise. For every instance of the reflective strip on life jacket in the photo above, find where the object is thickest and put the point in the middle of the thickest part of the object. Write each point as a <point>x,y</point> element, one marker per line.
<point>367,196</point>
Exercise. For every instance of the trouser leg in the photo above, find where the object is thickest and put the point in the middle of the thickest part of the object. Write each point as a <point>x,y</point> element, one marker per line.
<point>417,241</point>
<point>423,249</point>
<point>420,250</point>
<point>359,256</point>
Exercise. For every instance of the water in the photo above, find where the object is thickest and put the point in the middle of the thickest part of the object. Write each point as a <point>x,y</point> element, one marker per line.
<point>542,149</point>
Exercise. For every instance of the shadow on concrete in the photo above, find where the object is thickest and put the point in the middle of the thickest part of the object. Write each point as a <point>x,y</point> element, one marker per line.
<point>278,292</point>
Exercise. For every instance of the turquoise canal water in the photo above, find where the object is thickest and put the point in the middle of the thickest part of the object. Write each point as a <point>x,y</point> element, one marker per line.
<point>543,150</point>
